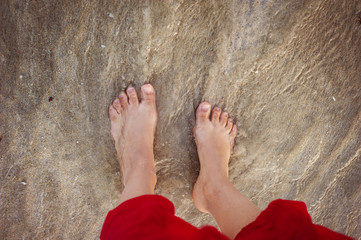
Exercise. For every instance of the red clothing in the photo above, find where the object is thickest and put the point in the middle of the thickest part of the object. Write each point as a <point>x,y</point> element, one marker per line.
<point>152,217</point>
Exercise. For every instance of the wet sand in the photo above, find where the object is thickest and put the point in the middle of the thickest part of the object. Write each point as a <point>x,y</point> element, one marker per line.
<point>288,72</point>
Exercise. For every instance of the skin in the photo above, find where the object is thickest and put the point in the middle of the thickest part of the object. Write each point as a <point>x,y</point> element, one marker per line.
<point>133,123</point>
<point>132,126</point>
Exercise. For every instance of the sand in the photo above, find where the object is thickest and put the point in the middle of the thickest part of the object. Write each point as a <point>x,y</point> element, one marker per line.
<point>288,72</point>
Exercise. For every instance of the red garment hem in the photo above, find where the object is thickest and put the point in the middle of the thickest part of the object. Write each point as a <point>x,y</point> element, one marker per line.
<point>152,217</point>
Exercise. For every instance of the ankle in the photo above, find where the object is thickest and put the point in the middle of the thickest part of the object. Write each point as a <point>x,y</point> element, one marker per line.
<point>134,163</point>
<point>212,189</point>
<point>140,175</point>
<point>138,185</point>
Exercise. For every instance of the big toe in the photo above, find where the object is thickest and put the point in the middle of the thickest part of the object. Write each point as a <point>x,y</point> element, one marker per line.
<point>203,112</point>
<point>148,94</point>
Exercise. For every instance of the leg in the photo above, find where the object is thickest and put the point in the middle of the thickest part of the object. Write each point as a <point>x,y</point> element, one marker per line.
<point>213,192</point>
<point>132,126</point>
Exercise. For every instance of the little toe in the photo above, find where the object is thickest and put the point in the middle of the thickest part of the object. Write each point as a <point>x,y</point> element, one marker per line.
<point>229,125</point>
<point>123,98</point>
<point>113,114</point>
<point>234,131</point>
<point>203,112</point>
<point>148,94</point>
<point>233,135</point>
<point>224,118</point>
<point>133,98</point>
<point>117,106</point>
<point>215,115</point>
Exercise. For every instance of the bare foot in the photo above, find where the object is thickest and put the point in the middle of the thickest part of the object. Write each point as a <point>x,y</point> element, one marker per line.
<point>132,126</point>
<point>215,139</point>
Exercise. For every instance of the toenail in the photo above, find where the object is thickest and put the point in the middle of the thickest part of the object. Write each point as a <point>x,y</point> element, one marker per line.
<point>218,109</point>
<point>130,89</point>
<point>205,107</point>
<point>147,88</point>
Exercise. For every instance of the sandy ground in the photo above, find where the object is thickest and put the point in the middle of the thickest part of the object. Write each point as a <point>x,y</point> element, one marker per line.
<point>288,72</point>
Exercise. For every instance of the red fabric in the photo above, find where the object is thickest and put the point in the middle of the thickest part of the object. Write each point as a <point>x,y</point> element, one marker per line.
<point>152,217</point>
<point>284,219</point>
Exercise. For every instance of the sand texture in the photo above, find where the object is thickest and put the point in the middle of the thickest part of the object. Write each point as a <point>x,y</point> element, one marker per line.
<point>287,71</point>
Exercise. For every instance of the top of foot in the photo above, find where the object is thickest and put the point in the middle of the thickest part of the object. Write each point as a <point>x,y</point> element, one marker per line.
<point>214,132</point>
<point>132,126</point>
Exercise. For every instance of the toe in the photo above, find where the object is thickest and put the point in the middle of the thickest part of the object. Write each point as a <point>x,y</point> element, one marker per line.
<point>148,94</point>
<point>123,98</point>
<point>233,134</point>
<point>234,131</point>
<point>229,125</point>
<point>203,112</point>
<point>132,95</point>
<point>215,115</point>
<point>113,114</point>
<point>224,118</point>
<point>117,106</point>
